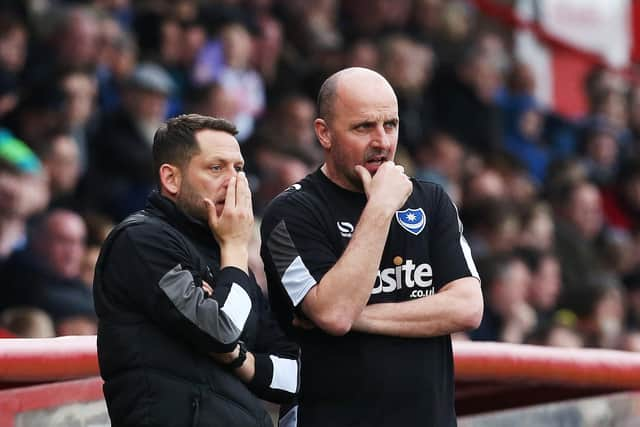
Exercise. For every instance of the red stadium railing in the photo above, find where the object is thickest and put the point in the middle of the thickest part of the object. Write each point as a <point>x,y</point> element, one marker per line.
<point>489,376</point>
<point>494,376</point>
<point>34,360</point>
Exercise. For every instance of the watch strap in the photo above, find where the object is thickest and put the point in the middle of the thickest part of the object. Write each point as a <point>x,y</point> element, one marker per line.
<point>239,360</point>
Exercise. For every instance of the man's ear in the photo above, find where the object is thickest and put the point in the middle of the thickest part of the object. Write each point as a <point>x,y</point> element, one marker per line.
<point>323,133</point>
<point>170,179</point>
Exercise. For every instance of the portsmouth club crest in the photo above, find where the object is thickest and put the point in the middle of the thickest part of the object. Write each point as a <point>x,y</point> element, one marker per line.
<point>412,220</point>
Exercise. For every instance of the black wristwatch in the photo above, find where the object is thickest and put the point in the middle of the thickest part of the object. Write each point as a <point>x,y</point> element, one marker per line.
<point>239,360</point>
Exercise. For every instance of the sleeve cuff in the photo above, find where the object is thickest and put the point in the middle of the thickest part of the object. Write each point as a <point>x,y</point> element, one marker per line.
<point>229,275</point>
<point>263,372</point>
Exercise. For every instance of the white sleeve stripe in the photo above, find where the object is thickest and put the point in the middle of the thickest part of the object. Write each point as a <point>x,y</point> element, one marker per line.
<point>297,280</point>
<point>237,306</point>
<point>466,250</point>
<point>285,374</point>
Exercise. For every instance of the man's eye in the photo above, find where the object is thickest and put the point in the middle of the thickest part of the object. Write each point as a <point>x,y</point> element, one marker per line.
<point>216,168</point>
<point>391,125</point>
<point>239,168</point>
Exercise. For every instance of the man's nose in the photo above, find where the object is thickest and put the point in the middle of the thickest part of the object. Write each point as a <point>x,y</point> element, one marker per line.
<point>231,172</point>
<point>381,138</point>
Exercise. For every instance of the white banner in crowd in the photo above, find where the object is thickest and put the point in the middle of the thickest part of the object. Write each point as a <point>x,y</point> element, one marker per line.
<point>600,27</point>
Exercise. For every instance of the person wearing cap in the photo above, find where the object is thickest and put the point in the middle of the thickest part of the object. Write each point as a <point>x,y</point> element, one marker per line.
<point>120,151</point>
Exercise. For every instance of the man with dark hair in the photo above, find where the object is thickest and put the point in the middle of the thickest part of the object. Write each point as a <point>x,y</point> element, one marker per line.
<point>369,271</point>
<point>185,336</point>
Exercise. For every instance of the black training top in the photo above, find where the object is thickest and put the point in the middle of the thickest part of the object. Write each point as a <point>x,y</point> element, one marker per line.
<point>362,379</point>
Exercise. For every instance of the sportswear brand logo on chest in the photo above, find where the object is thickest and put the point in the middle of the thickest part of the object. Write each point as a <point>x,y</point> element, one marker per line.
<point>412,220</point>
<point>345,228</point>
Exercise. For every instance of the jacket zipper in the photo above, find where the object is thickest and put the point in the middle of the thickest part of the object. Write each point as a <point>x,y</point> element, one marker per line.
<point>195,404</point>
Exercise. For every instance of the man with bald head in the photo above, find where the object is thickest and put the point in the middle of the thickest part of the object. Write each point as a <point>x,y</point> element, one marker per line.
<point>46,274</point>
<point>368,270</point>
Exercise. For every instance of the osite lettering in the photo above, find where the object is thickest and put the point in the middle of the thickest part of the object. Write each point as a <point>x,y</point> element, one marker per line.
<point>408,275</point>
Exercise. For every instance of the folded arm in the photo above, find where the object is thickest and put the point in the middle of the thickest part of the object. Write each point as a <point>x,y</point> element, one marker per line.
<point>456,307</point>
<point>272,367</point>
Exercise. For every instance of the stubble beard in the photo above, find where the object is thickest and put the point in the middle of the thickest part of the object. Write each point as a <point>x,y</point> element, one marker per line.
<point>191,203</point>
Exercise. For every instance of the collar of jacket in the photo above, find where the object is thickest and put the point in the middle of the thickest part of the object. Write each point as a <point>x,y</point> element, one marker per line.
<point>193,228</point>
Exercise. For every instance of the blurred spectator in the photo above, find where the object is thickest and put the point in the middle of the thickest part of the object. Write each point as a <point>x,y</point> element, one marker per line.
<point>523,138</point>
<point>289,129</point>
<point>61,161</point>
<point>486,183</point>
<point>47,273</point>
<point>546,282</point>
<point>620,253</point>
<point>579,221</point>
<point>537,227</point>
<point>213,100</point>
<point>600,153</point>
<point>464,101</point>
<point>426,22</point>
<point>408,66</point>
<point>208,62</point>
<point>283,150</point>
<point>601,311</point>
<point>556,333</point>
<point>278,170</point>
<point>314,24</point>
<point>599,83</point>
<point>621,202</point>
<point>362,53</point>
<point>520,186</point>
<point>268,47</point>
<point>237,76</point>
<point>493,226</point>
<point>68,36</point>
<point>508,317</point>
<point>121,149</point>
<point>27,322</point>
<point>23,192</point>
<point>118,57</point>
<point>609,106</point>
<point>13,50</point>
<point>440,159</point>
<point>81,90</point>
<point>561,175</point>
<point>13,44</point>
<point>39,112</point>
<point>75,37</point>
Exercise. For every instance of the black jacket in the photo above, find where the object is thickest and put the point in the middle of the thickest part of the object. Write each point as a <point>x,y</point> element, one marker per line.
<point>157,328</point>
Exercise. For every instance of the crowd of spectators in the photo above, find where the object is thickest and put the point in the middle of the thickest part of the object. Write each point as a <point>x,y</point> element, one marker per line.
<point>551,205</point>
